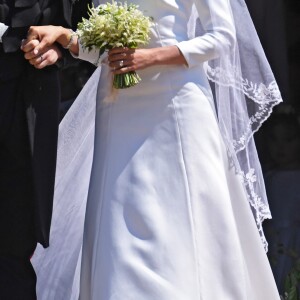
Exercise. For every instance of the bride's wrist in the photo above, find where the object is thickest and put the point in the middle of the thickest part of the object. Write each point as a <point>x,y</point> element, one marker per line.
<point>65,36</point>
<point>68,40</point>
<point>156,57</point>
<point>168,55</point>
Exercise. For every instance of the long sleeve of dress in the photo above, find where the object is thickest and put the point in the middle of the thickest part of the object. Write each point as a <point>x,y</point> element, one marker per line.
<point>216,21</point>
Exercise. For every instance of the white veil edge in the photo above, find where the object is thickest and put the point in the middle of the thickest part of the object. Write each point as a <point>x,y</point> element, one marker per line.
<point>58,267</point>
<point>245,93</point>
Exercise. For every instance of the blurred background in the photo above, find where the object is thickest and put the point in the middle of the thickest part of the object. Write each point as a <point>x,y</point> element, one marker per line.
<point>278,142</point>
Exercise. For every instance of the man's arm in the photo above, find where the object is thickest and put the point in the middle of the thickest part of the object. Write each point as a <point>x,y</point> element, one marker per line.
<point>3,28</point>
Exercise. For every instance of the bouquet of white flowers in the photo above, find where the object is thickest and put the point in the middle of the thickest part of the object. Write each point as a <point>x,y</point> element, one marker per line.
<point>114,25</point>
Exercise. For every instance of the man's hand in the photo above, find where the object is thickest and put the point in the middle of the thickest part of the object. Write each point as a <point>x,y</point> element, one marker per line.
<point>41,59</point>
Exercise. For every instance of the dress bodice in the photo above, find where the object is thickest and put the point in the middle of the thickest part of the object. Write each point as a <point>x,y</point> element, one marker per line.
<point>171,20</point>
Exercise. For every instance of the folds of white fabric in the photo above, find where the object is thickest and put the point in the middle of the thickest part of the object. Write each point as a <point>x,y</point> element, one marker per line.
<point>59,264</point>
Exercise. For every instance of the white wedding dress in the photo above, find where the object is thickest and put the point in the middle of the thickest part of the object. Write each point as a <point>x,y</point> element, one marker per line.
<point>167,216</point>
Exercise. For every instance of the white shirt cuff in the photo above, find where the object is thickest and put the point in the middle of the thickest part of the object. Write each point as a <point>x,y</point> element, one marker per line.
<point>3,28</point>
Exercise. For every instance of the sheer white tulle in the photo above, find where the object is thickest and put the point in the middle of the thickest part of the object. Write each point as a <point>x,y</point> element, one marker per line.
<point>75,155</point>
<point>245,93</point>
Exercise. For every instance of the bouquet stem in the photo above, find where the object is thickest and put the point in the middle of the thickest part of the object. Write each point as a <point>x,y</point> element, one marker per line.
<point>123,81</point>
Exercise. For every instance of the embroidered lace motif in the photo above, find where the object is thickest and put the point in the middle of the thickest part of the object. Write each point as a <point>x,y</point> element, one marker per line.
<point>260,210</point>
<point>258,92</point>
<point>264,97</point>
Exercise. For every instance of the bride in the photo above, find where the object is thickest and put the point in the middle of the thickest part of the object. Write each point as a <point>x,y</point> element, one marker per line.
<point>169,165</point>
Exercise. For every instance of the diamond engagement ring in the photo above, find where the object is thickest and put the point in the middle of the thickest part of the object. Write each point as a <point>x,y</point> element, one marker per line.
<point>121,63</point>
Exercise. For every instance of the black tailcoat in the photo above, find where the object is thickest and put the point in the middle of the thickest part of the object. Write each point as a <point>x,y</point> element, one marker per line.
<point>34,94</point>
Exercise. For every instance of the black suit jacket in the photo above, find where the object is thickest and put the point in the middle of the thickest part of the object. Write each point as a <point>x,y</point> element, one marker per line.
<point>39,94</point>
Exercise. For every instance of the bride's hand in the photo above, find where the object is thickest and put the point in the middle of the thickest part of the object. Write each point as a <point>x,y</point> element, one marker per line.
<point>48,36</point>
<point>123,60</point>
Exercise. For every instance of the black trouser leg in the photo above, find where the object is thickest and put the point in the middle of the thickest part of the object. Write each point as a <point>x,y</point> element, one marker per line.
<point>17,234</point>
<point>17,279</point>
<point>17,237</point>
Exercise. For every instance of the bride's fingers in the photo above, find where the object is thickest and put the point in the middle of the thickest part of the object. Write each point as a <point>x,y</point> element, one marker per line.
<point>118,50</point>
<point>119,64</point>
<point>28,47</point>
<point>119,57</point>
<point>120,54</point>
<point>134,60</point>
<point>123,70</point>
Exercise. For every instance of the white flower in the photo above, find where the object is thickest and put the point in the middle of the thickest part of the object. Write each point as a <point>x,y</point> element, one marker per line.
<point>113,25</point>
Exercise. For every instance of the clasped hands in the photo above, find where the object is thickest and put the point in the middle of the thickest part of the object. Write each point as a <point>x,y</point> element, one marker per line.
<point>40,46</point>
<point>41,50</point>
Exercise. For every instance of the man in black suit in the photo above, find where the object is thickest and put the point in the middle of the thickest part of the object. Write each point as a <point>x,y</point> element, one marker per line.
<point>29,117</point>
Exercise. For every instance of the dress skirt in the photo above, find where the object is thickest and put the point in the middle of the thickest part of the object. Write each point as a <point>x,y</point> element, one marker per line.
<point>167,216</point>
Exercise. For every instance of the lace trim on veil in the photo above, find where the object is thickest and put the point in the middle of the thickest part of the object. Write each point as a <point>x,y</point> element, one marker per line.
<point>265,97</point>
<point>261,211</point>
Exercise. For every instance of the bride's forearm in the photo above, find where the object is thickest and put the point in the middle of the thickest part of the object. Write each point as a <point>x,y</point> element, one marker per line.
<point>168,55</point>
<point>68,40</point>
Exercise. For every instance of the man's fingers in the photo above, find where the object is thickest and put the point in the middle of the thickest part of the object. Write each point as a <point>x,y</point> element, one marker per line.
<point>37,60</point>
<point>41,65</point>
<point>46,59</point>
